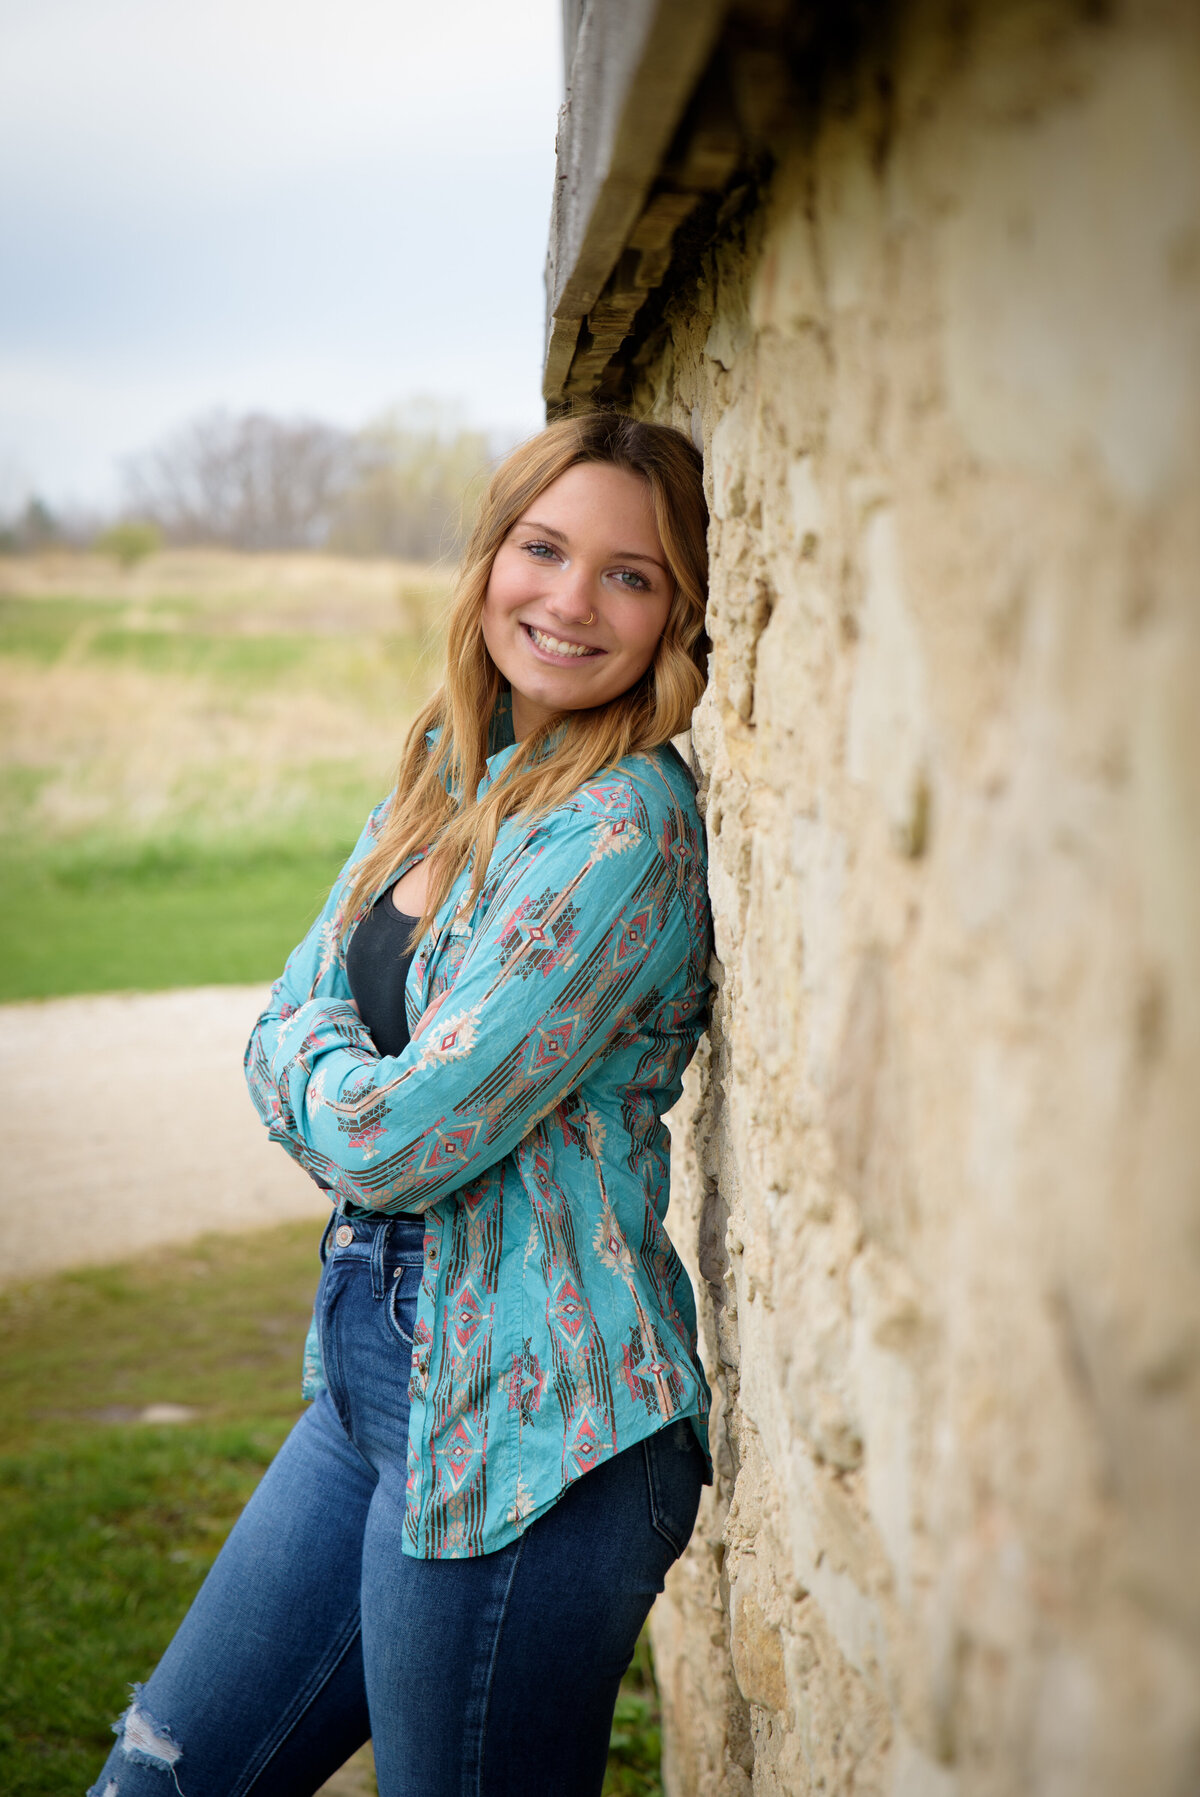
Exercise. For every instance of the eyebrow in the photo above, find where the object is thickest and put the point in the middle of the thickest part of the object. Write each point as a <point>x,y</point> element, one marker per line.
<point>618,555</point>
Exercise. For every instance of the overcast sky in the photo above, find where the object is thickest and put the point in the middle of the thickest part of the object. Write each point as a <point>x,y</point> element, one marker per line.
<point>318,206</point>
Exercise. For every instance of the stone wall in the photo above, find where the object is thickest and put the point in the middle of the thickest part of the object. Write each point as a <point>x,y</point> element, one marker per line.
<point>938,1174</point>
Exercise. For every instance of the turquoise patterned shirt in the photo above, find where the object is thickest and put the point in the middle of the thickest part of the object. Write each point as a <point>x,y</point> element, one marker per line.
<point>551,1021</point>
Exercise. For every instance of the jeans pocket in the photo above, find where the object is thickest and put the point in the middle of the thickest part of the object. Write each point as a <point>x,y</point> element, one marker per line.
<point>674,1476</point>
<point>401,1305</point>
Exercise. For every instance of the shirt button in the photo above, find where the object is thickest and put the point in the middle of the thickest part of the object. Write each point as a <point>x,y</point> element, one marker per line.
<point>344,1236</point>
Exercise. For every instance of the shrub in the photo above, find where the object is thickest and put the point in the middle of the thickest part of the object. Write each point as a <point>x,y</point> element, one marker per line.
<point>130,541</point>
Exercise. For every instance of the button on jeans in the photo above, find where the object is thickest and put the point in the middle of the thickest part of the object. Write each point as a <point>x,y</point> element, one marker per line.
<point>490,1677</point>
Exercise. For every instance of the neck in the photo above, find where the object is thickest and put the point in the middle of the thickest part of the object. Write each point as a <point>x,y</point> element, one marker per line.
<point>527,717</point>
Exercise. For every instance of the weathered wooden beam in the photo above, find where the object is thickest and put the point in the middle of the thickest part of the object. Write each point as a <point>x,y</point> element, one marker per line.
<point>635,67</point>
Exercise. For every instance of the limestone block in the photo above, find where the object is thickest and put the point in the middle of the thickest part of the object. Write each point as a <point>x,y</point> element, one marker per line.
<point>888,736</point>
<point>807,509</point>
<point>914,1774</point>
<point>786,290</point>
<point>885,1321</point>
<point>1097,195</point>
<point>757,1652</point>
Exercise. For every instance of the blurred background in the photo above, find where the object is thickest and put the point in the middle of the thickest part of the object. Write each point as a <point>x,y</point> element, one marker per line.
<point>271,305</point>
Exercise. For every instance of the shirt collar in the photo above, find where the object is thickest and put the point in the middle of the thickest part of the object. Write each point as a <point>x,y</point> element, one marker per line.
<point>502,745</point>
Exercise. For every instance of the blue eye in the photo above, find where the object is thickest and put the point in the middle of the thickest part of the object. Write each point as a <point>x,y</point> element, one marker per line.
<point>534,549</point>
<point>637,583</point>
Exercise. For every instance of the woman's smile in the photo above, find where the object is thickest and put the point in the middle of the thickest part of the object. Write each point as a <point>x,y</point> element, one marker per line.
<point>555,648</point>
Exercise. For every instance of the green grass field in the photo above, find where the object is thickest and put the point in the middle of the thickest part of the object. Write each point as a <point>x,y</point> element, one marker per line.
<point>108,1524</point>
<point>136,920</point>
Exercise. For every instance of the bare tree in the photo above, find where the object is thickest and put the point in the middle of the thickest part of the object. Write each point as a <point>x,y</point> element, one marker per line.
<point>254,481</point>
<point>417,479</point>
<point>404,485</point>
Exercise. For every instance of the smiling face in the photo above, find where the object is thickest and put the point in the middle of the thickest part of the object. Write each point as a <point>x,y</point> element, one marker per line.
<point>578,594</point>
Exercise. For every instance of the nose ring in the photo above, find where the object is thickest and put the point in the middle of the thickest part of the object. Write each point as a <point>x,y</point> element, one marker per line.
<point>591,618</point>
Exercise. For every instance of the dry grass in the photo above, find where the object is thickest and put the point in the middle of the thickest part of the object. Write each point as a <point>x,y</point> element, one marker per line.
<point>129,752</point>
<point>304,592</point>
<point>205,692</point>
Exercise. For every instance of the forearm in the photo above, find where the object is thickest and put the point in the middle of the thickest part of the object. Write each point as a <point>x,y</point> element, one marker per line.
<point>393,1133</point>
<point>314,967</point>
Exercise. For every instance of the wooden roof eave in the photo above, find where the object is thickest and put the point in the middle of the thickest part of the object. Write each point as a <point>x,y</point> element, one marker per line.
<point>636,66</point>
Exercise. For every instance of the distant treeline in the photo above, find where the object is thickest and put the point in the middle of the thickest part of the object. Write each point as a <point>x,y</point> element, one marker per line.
<point>404,485</point>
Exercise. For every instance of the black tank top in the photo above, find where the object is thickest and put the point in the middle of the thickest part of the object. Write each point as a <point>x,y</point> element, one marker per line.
<point>377,964</point>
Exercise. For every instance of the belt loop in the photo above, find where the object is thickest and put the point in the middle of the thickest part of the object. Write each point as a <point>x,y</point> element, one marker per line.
<point>382,1232</point>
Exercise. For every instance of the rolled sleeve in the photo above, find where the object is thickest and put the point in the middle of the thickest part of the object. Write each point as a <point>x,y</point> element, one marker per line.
<point>315,967</point>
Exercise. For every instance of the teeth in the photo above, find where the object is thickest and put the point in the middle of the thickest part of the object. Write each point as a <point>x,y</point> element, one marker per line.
<point>552,645</point>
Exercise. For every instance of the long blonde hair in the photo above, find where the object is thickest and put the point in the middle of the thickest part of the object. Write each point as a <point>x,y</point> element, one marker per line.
<point>434,800</point>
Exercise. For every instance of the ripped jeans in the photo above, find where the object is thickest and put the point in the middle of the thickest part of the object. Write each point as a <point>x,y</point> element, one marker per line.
<point>494,1677</point>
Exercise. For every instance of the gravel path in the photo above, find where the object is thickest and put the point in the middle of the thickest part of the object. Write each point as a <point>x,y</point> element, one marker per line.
<point>125,1123</point>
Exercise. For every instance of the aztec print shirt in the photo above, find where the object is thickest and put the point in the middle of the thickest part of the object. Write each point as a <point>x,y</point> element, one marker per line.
<point>551,1021</point>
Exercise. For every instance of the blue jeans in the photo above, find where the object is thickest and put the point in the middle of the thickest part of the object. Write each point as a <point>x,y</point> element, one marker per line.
<point>490,1677</point>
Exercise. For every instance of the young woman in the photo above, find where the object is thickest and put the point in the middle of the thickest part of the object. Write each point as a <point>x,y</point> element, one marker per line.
<point>473,1048</point>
